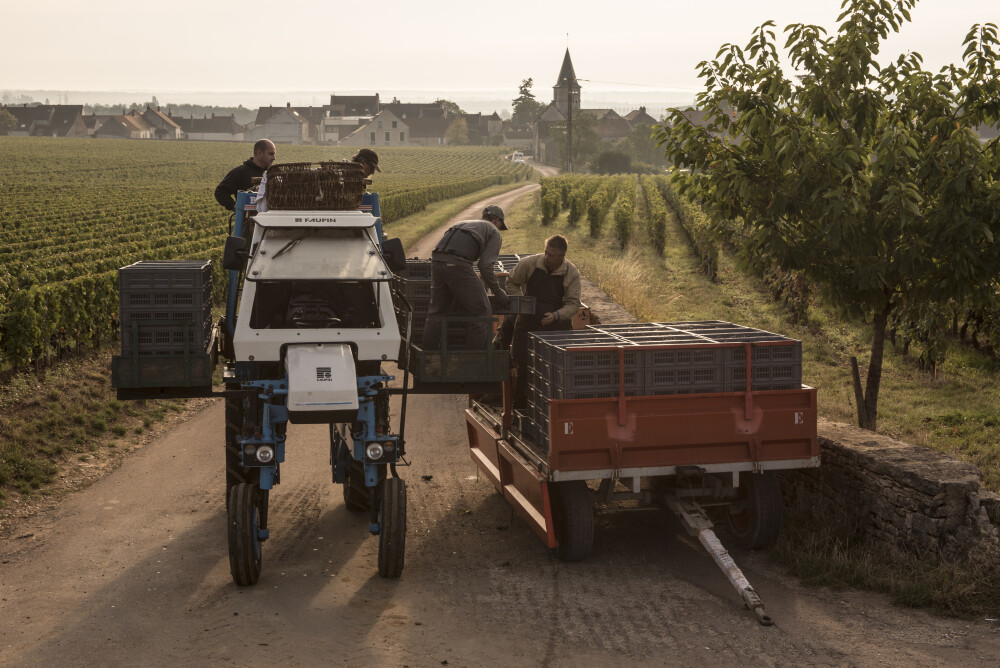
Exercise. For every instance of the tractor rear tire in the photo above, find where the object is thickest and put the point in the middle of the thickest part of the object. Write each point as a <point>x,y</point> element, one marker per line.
<point>755,517</point>
<point>573,515</point>
<point>244,515</point>
<point>235,473</point>
<point>392,534</point>
<point>356,496</point>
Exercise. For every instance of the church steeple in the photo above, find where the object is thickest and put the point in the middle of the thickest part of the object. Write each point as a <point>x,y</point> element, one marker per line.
<point>567,88</point>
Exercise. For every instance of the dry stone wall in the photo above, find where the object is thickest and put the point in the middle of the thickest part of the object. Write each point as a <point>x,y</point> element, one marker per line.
<point>897,495</point>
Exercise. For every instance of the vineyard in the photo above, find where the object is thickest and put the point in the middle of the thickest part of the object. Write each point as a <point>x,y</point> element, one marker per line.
<point>73,211</point>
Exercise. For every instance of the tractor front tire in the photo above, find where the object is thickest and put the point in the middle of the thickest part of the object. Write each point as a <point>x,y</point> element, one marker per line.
<point>245,522</point>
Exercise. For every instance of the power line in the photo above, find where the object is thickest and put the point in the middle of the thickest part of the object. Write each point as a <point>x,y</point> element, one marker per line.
<point>624,83</point>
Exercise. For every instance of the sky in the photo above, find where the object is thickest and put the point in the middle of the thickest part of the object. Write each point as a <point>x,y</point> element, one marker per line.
<point>400,47</point>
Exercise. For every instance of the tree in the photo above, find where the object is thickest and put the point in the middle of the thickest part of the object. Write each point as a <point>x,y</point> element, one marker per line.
<point>450,108</point>
<point>526,107</point>
<point>871,180</point>
<point>641,148</point>
<point>7,121</point>
<point>586,142</point>
<point>457,133</point>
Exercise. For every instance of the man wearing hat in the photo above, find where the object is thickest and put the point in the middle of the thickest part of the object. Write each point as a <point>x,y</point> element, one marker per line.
<point>455,288</point>
<point>368,159</point>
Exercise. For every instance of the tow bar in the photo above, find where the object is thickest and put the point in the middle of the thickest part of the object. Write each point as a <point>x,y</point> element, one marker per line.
<point>699,525</point>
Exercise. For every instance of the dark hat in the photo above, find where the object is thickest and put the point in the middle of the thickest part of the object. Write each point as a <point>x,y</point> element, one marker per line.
<point>369,156</point>
<point>496,212</point>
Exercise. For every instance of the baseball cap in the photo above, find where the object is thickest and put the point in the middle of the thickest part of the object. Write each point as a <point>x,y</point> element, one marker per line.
<point>494,210</point>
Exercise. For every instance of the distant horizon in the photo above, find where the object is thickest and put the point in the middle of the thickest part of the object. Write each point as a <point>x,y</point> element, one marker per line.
<point>471,100</point>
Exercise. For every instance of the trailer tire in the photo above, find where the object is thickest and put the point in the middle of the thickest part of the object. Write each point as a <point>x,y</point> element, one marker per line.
<point>392,533</point>
<point>755,517</point>
<point>573,515</point>
<point>245,521</point>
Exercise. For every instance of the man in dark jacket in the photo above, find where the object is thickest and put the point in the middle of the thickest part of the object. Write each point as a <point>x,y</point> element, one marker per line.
<point>241,177</point>
<point>455,288</point>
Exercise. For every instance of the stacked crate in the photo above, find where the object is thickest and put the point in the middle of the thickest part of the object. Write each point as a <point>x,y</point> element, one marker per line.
<point>691,361</point>
<point>165,307</point>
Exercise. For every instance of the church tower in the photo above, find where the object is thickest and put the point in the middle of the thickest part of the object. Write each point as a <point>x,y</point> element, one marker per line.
<point>566,92</point>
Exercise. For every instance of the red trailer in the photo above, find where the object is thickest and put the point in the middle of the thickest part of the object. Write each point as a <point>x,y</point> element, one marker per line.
<point>692,453</point>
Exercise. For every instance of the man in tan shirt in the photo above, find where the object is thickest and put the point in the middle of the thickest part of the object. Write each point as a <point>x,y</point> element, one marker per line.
<point>555,284</point>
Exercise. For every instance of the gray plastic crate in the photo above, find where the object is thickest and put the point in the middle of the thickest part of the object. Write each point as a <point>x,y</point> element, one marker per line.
<point>686,357</point>
<point>166,276</point>
<point>774,375</point>
<point>416,269</point>
<point>783,353</point>
<point>518,304</point>
<point>165,306</point>
<point>674,380</point>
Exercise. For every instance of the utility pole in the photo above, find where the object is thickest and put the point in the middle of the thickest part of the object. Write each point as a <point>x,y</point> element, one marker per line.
<point>569,130</point>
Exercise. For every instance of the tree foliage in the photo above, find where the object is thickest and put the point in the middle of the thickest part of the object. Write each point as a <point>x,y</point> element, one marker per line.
<point>586,142</point>
<point>457,133</point>
<point>869,179</point>
<point>7,121</point>
<point>526,107</point>
<point>450,108</point>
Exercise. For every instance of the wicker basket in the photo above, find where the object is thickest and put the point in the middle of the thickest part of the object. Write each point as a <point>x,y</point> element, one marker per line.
<point>306,186</point>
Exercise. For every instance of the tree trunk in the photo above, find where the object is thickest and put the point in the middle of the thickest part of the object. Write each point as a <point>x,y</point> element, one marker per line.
<point>859,395</point>
<point>874,379</point>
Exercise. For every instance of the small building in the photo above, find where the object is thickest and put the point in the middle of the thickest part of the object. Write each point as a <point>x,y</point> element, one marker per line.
<point>384,129</point>
<point>163,127</point>
<point>335,128</point>
<point>48,120</point>
<point>216,128</point>
<point>354,105</point>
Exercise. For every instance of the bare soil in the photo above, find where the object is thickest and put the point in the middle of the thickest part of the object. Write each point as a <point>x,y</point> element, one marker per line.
<point>133,570</point>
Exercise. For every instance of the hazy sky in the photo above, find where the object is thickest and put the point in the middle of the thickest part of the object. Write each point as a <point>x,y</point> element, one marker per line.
<point>397,45</point>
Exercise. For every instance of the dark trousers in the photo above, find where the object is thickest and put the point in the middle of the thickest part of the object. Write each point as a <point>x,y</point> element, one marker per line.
<point>456,290</point>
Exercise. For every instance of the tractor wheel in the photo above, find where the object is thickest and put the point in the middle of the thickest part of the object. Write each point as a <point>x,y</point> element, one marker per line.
<point>573,515</point>
<point>754,518</point>
<point>244,516</point>
<point>235,473</point>
<point>392,534</point>
<point>355,493</point>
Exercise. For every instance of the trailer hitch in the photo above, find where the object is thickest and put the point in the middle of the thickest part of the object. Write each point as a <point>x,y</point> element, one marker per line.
<point>699,525</point>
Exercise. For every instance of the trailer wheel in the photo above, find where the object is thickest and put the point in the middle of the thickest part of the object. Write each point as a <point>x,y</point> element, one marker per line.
<point>755,517</point>
<point>392,535</point>
<point>245,522</point>
<point>573,511</point>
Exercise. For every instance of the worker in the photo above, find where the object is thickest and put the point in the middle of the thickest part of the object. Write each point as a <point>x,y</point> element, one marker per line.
<point>455,288</point>
<point>555,284</point>
<point>368,159</point>
<point>242,176</point>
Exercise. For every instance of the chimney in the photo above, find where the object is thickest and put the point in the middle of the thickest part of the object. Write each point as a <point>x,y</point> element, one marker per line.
<point>288,105</point>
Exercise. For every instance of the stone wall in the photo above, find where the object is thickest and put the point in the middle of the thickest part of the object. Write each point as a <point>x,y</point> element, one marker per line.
<point>897,495</point>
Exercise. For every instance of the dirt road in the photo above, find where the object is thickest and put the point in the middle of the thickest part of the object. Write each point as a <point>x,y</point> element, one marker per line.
<point>133,571</point>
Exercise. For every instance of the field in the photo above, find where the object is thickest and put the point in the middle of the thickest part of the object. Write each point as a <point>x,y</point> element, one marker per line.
<point>73,211</point>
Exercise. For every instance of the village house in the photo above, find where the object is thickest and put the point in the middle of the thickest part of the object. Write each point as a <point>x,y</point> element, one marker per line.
<point>384,129</point>
<point>214,128</point>
<point>163,127</point>
<point>48,120</point>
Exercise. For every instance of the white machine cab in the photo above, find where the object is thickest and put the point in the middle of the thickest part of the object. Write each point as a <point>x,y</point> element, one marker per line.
<point>316,277</point>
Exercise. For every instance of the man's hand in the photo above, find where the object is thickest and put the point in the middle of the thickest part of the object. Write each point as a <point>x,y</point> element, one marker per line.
<point>549,318</point>
<point>503,301</point>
